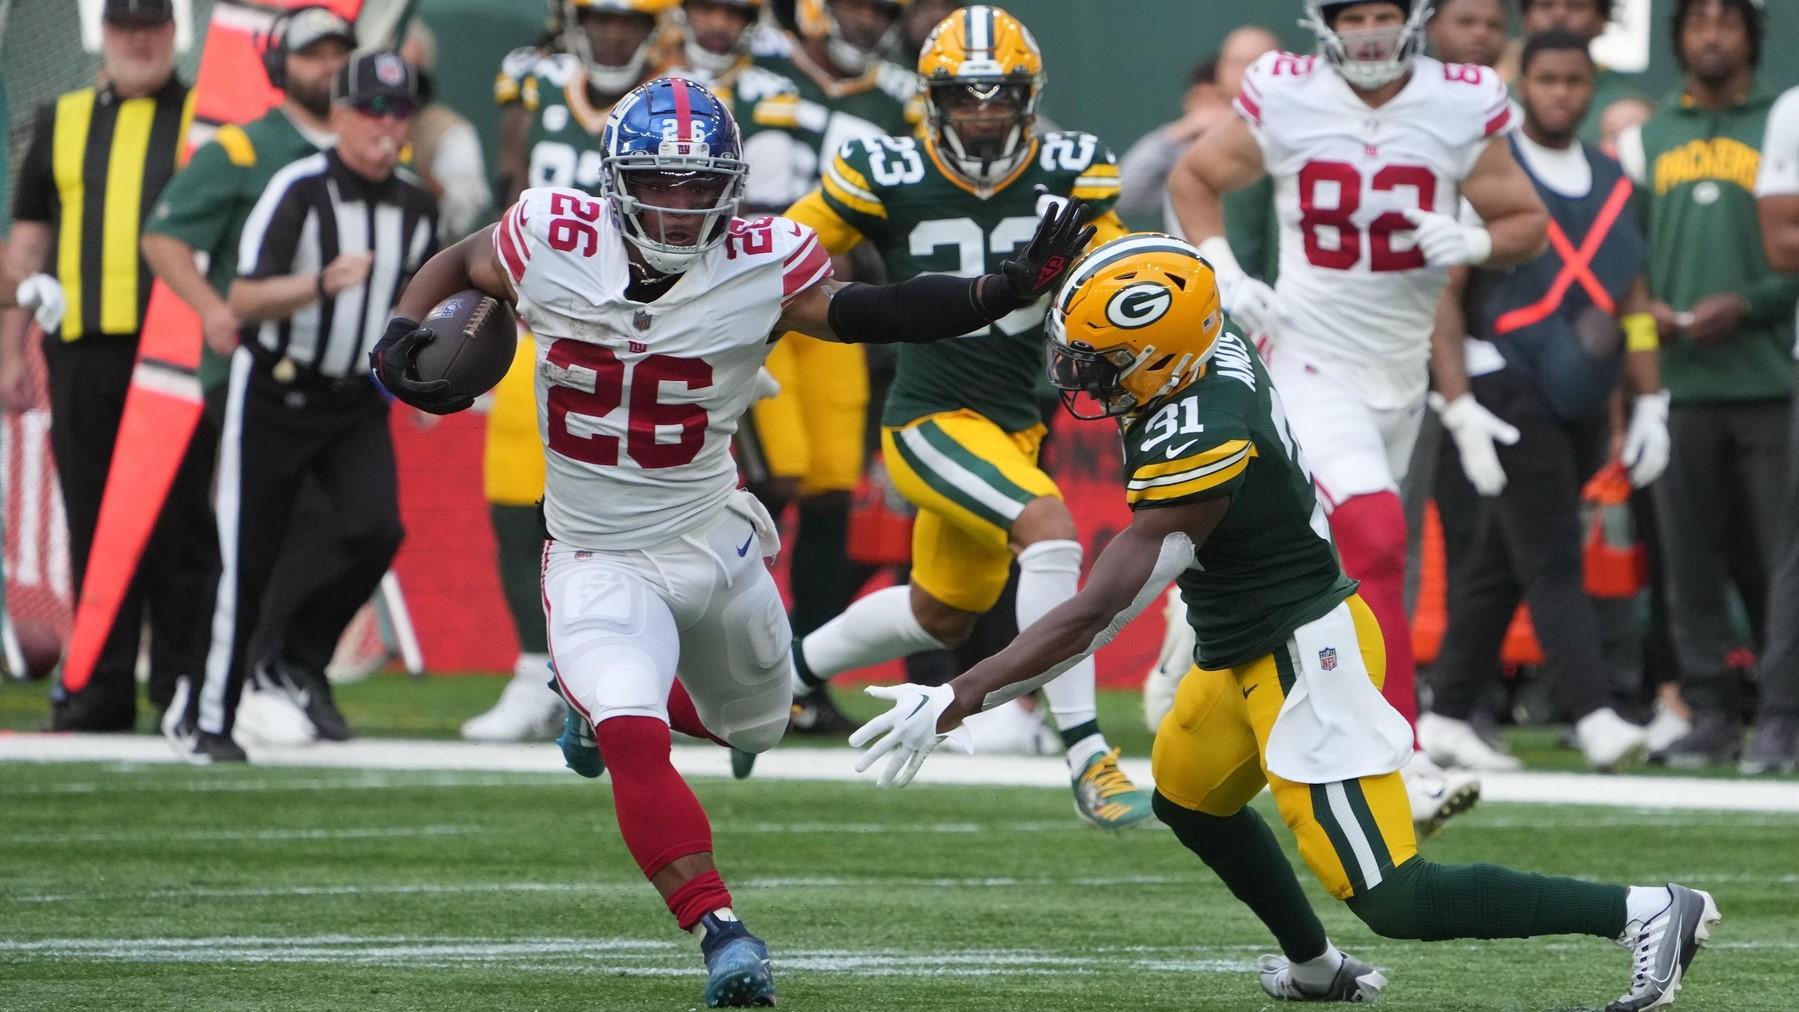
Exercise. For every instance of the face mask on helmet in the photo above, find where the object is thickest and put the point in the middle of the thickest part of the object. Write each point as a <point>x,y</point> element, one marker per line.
<point>1368,57</point>
<point>614,46</point>
<point>1078,371</point>
<point>982,125</point>
<point>674,215</point>
<point>851,54</point>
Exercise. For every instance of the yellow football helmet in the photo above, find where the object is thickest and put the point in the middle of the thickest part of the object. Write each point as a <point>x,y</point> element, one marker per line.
<point>1135,321</point>
<point>817,20</point>
<point>610,78</point>
<point>981,58</point>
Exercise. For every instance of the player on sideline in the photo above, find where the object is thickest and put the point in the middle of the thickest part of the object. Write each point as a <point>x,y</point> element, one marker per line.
<point>652,308</point>
<point>1286,694</point>
<point>1371,147</point>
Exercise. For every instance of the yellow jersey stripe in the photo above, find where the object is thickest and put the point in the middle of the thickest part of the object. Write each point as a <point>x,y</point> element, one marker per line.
<point>781,111</point>
<point>122,217</point>
<point>1184,464</point>
<point>862,202</point>
<point>1164,493</point>
<point>834,234</point>
<point>74,115</point>
<point>851,177</point>
<point>237,145</point>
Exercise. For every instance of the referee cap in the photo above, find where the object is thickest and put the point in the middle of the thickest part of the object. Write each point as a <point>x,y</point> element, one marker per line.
<point>377,74</point>
<point>143,13</point>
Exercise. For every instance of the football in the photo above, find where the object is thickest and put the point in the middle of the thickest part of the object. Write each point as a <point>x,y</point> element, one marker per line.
<point>476,338</point>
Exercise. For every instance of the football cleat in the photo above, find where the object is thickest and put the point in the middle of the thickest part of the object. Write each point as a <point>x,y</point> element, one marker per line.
<point>815,713</point>
<point>1437,795</point>
<point>1105,797</point>
<point>310,692</point>
<point>212,748</point>
<point>1355,981</point>
<point>738,974</point>
<point>742,763</point>
<point>580,752</point>
<point>1608,740</point>
<point>1457,745</point>
<point>527,710</point>
<point>1663,946</point>
<point>271,717</point>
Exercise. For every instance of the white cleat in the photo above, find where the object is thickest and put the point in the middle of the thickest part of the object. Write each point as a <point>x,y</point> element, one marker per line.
<point>1437,795</point>
<point>1455,744</point>
<point>1666,728</point>
<point>1356,981</point>
<point>1010,729</point>
<point>528,710</point>
<point>271,718</point>
<point>1175,660</point>
<point>1608,740</point>
<point>1663,945</point>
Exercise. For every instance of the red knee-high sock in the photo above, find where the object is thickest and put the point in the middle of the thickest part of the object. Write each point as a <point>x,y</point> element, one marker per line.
<point>658,815</point>
<point>1370,535</point>
<point>683,717</point>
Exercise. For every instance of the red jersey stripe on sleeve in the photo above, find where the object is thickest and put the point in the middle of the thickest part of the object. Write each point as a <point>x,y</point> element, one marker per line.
<point>1248,108</point>
<point>507,244</point>
<point>799,275</point>
<point>1500,120</point>
<point>800,252</point>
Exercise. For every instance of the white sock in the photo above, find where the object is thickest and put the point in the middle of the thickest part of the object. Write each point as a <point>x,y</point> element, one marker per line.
<point>532,667</point>
<point>876,628</point>
<point>1643,903</point>
<point>1316,974</point>
<point>1049,573</point>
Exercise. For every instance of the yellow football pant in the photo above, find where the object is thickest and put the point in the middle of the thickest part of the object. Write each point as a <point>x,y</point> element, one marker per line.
<point>1210,757</point>
<point>970,479</point>
<point>512,458</point>
<point>813,429</point>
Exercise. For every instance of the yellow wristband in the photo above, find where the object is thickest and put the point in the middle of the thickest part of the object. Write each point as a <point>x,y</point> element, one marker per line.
<point>1640,333</point>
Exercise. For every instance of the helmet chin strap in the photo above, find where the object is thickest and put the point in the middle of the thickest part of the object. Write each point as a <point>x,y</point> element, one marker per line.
<point>984,170</point>
<point>700,58</point>
<point>848,56</point>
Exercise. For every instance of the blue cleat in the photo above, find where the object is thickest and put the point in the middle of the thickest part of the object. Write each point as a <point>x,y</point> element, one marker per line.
<point>737,970</point>
<point>579,750</point>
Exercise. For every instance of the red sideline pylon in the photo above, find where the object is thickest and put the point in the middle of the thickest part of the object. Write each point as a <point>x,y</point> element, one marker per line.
<point>163,407</point>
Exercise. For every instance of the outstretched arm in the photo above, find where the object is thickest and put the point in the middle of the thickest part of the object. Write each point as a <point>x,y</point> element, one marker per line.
<point>1128,576</point>
<point>931,307</point>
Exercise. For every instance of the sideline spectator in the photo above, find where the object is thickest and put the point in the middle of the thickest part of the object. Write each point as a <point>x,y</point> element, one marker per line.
<point>446,151</point>
<point>1725,321</point>
<point>1469,31</point>
<point>1586,18</point>
<point>99,158</point>
<point>1545,358</point>
<point>1620,116</point>
<point>1774,745</point>
<point>1143,171</point>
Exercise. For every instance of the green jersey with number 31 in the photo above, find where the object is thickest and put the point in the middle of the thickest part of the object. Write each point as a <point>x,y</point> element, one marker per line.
<point>896,193</point>
<point>1269,567</point>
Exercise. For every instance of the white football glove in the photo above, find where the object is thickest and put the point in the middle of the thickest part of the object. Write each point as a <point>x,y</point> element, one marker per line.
<point>909,731</point>
<point>43,294</point>
<point>1252,304</point>
<point>1475,430</point>
<point>1646,442</point>
<point>1446,242</point>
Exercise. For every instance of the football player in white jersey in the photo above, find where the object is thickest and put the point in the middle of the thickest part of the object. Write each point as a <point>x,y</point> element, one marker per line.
<point>1372,147</point>
<point>652,308</point>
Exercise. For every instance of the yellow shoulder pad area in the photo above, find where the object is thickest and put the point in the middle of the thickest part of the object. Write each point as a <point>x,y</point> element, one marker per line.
<point>778,111</point>
<point>1097,182</point>
<point>237,145</point>
<point>849,187</point>
<point>1178,479</point>
<point>837,235</point>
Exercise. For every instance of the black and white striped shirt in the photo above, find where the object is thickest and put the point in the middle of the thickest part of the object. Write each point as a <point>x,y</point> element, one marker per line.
<point>310,212</point>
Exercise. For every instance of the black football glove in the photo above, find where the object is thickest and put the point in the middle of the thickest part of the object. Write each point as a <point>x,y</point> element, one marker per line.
<point>1032,272</point>
<point>394,360</point>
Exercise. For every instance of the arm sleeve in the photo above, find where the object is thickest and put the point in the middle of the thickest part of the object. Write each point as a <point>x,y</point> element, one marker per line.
<point>1780,149</point>
<point>35,197</point>
<point>929,307</point>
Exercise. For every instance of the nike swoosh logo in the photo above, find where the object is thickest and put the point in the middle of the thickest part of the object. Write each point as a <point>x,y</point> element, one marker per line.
<point>744,549</point>
<point>1251,689</point>
<point>1175,451</point>
<point>915,710</point>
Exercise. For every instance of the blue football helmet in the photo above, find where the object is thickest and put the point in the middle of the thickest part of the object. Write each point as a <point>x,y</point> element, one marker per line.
<point>674,171</point>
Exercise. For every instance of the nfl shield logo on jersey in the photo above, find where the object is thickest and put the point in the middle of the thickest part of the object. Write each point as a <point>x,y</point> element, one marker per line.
<point>1327,658</point>
<point>641,320</point>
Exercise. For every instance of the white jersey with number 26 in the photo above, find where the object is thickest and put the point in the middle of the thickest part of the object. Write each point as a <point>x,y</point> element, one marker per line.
<point>1355,294</point>
<point>636,401</point>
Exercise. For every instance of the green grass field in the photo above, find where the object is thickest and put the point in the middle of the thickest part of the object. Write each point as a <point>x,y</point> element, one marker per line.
<point>169,887</point>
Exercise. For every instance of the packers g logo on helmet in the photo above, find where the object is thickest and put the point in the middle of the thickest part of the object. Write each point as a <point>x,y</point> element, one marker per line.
<point>1135,321</point>
<point>1139,305</point>
<point>980,65</point>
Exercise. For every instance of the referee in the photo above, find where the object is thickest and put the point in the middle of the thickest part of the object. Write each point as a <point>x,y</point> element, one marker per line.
<point>97,161</point>
<point>324,255</point>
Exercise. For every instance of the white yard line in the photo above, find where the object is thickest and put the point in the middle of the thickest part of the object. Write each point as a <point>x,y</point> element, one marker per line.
<point>825,764</point>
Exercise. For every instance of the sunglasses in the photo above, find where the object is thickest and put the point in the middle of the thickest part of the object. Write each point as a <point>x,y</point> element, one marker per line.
<point>386,107</point>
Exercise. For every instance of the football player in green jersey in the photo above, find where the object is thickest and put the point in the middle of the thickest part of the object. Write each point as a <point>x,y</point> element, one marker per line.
<point>562,98</point>
<point>1286,695</point>
<point>962,424</point>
